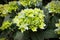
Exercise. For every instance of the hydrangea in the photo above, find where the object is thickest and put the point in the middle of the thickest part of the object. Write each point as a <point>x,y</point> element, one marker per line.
<point>5,25</point>
<point>58,27</point>
<point>54,6</point>
<point>30,19</point>
<point>7,8</point>
<point>29,2</point>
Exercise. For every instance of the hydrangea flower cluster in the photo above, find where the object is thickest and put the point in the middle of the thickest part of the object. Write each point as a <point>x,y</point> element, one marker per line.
<point>54,6</point>
<point>30,19</point>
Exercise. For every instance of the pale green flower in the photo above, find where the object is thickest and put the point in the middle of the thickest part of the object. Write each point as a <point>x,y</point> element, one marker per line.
<point>30,19</point>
